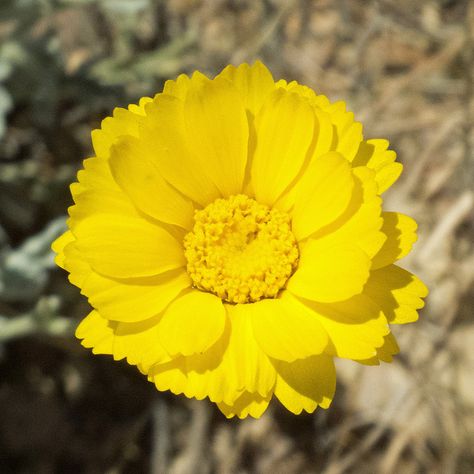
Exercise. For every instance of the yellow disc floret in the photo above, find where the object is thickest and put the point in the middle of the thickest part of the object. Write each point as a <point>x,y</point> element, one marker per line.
<point>240,250</point>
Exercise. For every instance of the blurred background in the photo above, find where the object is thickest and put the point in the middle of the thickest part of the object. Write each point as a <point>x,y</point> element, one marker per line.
<point>405,68</point>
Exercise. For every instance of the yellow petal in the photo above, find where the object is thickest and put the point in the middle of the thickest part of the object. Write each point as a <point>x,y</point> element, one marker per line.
<point>304,384</point>
<point>401,235</point>
<point>123,122</point>
<point>197,376</point>
<point>124,300</point>
<point>285,332</point>
<point>328,273</point>
<point>284,130</point>
<point>348,143</point>
<point>136,299</point>
<point>361,222</point>
<point>179,87</point>
<point>300,89</point>
<point>96,333</point>
<point>127,247</point>
<point>389,349</point>
<point>58,247</point>
<point>248,404</point>
<point>388,175</point>
<point>225,371</point>
<point>348,132</point>
<point>217,133</point>
<point>325,135</point>
<point>323,194</point>
<point>138,343</point>
<point>95,175</point>
<point>398,292</point>
<point>364,225</point>
<point>75,264</point>
<point>97,192</point>
<point>252,369</point>
<point>192,323</point>
<point>356,327</point>
<point>375,155</point>
<point>282,84</point>
<point>139,108</point>
<point>385,353</point>
<point>164,132</point>
<point>254,83</point>
<point>200,375</point>
<point>136,170</point>
<point>322,144</point>
<point>100,201</point>
<point>233,371</point>
<point>171,376</point>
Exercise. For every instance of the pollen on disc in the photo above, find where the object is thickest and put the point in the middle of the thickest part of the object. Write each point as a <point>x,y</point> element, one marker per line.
<point>240,250</point>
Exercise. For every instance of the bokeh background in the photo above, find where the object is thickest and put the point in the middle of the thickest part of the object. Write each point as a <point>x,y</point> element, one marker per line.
<point>405,68</point>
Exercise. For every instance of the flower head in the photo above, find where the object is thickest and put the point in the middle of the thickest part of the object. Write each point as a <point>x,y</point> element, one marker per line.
<point>229,235</point>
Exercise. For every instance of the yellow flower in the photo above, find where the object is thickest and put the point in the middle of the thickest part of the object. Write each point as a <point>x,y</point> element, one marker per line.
<point>229,235</point>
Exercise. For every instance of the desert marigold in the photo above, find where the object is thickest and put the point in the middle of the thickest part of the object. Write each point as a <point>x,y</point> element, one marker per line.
<point>229,235</point>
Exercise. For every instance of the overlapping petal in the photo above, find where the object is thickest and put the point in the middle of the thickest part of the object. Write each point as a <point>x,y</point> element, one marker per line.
<point>135,300</point>
<point>164,133</point>
<point>142,181</point>
<point>96,192</point>
<point>216,129</point>
<point>375,155</point>
<point>59,245</point>
<point>401,235</point>
<point>284,129</point>
<point>361,224</point>
<point>179,88</point>
<point>96,333</point>
<point>305,383</point>
<point>135,342</point>
<point>129,247</point>
<point>329,272</point>
<point>384,353</point>
<point>322,195</point>
<point>224,372</point>
<point>284,332</point>
<point>127,300</point>
<point>347,132</point>
<point>254,83</point>
<point>286,147</point>
<point>398,292</point>
<point>192,323</point>
<point>356,327</point>
<point>248,404</point>
<point>335,263</point>
<point>138,343</point>
<point>122,122</point>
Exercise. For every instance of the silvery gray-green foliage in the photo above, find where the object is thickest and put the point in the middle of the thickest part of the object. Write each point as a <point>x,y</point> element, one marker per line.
<point>24,275</point>
<point>24,270</point>
<point>43,318</point>
<point>35,63</point>
<point>5,99</point>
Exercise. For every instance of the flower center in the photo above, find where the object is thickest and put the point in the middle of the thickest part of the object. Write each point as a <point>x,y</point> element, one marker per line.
<point>240,250</point>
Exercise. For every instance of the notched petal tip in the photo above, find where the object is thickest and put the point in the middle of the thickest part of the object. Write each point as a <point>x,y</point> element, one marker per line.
<point>192,323</point>
<point>248,404</point>
<point>305,384</point>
